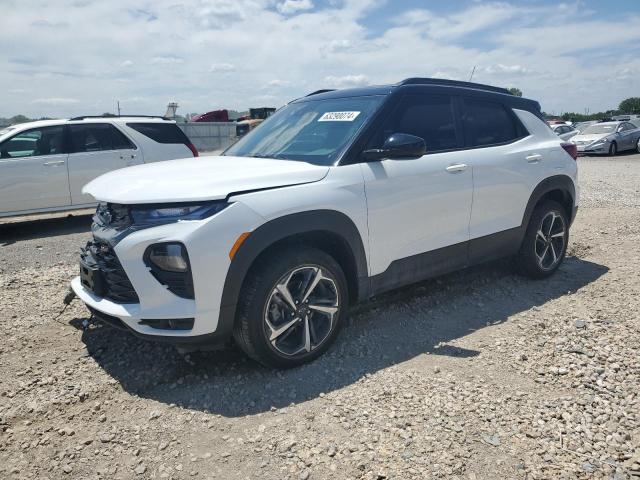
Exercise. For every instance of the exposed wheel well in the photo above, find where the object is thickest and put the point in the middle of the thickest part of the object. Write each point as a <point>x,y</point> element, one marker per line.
<point>327,241</point>
<point>563,197</point>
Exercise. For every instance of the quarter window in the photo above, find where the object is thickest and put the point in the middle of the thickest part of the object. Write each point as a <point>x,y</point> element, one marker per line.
<point>489,123</point>
<point>430,117</point>
<point>96,137</point>
<point>32,143</point>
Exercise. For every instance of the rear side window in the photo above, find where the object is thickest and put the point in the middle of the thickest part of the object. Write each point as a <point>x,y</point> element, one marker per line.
<point>97,137</point>
<point>161,132</point>
<point>489,123</point>
<point>430,117</point>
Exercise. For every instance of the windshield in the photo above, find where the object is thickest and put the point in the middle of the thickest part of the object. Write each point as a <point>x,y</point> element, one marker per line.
<point>602,128</point>
<point>315,131</point>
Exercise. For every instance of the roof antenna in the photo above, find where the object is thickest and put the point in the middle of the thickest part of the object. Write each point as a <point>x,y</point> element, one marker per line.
<point>472,72</point>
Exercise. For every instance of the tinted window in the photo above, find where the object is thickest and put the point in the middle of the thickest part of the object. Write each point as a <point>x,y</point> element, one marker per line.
<point>161,132</point>
<point>96,137</point>
<point>36,142</point>
<point>488,123</point>
<point>430,117</point>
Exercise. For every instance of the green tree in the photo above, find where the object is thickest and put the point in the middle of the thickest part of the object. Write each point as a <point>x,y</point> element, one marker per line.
<point>630,105</point>
<point>515,91</point>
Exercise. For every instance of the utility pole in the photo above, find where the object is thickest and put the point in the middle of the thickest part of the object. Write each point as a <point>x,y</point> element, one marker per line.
<point>472,72</point>
<point>118,107</point>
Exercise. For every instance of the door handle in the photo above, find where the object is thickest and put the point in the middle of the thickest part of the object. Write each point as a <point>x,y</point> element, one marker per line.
<point>54,163</point>
<point>122,157</point>
<point>535,158</point>
<point>457,168</point>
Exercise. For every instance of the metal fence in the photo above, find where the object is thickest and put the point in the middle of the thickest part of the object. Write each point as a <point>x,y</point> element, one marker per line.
<point>207,136</point>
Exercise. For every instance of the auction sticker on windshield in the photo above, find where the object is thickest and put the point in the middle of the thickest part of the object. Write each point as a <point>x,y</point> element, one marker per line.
<point>339,117</point>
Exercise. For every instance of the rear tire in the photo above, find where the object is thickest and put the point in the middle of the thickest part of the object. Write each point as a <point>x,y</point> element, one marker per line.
<point>613,149</point>
<point>638,146</point>
<point>291,307</point>
<point>545,241</point>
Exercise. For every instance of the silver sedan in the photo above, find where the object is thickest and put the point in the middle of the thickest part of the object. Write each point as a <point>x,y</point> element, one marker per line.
<point>608,138</point>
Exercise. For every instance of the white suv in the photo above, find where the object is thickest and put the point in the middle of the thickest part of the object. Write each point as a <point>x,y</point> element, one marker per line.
<point>45,164</point>
<point>337,197</point>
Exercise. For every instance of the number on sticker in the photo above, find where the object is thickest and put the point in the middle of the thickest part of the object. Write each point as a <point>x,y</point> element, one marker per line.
<point>338,117</point>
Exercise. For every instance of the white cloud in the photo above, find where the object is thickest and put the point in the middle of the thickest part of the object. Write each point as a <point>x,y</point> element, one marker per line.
<point>508,69</point>
<point>346,81</point>
<point>279,83</point>
<point>55,101</point>
<point>210,54</point>
<point>289,7</point>
<point>222,67</point>
<point>166,60</point>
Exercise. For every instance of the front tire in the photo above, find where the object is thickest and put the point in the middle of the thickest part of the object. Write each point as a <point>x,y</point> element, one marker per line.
<point>545,243</point>
<point>613,149</point>
<point>291,307</point>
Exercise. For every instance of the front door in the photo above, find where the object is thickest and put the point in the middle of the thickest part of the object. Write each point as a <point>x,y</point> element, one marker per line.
<point>96,148</point>
<point>419,206</point>
<point>33,171</point>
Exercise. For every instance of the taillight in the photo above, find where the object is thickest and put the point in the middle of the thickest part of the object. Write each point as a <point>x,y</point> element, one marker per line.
<point>193,149</point>
<point>571,149</point>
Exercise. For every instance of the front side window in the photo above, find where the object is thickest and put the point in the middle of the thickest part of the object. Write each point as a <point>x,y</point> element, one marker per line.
<point>430,117</point>
<point>314,131</point>
<point>35,142</point>
<point>96,137</point>
<point>488,123</point>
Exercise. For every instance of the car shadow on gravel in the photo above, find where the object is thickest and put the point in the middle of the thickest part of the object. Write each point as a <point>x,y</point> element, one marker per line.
<point>387,331</point>
<point>10,233</point>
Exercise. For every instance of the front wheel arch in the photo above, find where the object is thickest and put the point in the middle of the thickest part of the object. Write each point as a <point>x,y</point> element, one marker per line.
<point>328,230</point>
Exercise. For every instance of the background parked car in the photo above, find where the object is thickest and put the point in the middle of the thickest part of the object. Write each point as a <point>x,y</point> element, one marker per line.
<point>45,164</point>
<point>608,138</point>
<point>565,132</point>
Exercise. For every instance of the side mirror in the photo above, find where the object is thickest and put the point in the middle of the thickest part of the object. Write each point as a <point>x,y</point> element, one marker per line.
<point>398,145</point>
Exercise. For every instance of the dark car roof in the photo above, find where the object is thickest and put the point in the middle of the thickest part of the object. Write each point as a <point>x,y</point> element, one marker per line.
<point>431,84</point>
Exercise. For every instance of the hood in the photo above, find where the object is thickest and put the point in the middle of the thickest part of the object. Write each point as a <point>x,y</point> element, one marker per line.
<point>200,178</point>
<point>586,139</point>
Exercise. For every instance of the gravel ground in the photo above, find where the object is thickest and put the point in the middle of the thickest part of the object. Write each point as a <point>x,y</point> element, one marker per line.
<point>476,375</point>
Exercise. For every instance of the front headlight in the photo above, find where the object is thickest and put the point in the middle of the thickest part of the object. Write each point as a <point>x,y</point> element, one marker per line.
<point>173,212</point>
<point>599,143</point>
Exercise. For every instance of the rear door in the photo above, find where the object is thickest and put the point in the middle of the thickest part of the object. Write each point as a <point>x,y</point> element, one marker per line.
<point>33,171</point>
<point>96,148</point>
<point>505,164</point>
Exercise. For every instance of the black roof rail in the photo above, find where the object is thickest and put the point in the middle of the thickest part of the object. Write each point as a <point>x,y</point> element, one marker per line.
<point>323,90</point>
<point>453,83</point>
<point>82,117</point>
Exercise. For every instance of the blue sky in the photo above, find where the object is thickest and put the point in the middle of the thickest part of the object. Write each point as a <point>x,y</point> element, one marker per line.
<point>72,57</point>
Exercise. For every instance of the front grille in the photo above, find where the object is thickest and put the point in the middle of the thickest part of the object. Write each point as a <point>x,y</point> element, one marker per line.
<point>117,285</point>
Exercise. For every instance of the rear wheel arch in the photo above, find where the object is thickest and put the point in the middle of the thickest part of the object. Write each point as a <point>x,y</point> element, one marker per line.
<point>327,230</point>
<point>559,188</point>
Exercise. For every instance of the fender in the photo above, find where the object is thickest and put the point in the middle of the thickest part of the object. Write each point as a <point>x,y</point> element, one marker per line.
<point>563,183</point>
<point>279,229</point>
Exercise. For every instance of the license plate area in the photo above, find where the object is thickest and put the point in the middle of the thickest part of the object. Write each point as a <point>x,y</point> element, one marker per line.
<point>91,278</point>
